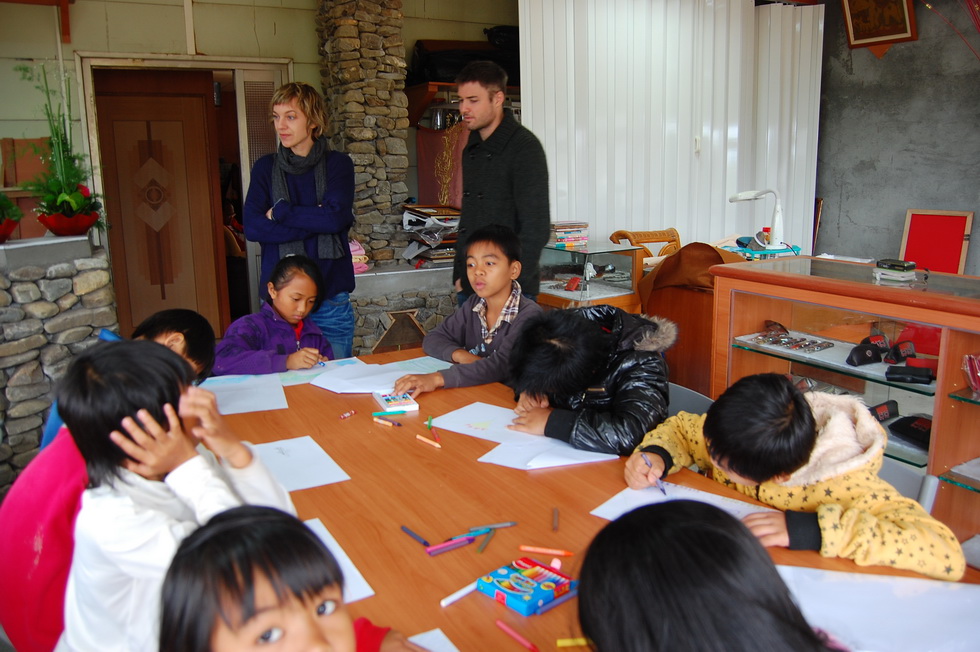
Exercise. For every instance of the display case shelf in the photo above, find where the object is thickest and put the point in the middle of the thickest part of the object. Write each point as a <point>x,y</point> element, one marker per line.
<point>966,395</point>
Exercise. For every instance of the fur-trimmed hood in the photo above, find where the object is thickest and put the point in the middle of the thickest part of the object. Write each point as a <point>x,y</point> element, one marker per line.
<point>848,438</point>
<point>633,332</point>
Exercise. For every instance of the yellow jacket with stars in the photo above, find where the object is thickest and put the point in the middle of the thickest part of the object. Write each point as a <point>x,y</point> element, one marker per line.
<point>861,517</point>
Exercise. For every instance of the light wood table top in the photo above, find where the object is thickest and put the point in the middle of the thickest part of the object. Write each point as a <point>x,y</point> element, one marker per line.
<point>397,480</point>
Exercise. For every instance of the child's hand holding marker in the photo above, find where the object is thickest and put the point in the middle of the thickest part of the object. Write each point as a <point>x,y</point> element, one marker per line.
<point>644,470</point>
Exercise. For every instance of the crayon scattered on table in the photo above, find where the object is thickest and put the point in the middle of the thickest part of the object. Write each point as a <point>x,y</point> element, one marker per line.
<point>554,520</point>
<point>547,551</point>
<point>517,637</point>
<point>486,540</point>
<point>428,441</point>
<point>452,544</point>
<point>462,593</point>
<point>387,413</point>
<point>572,642</point>
<point>348,414</point>
<point>495,526</point>
<point>415,536</point>
<point>385,422</point>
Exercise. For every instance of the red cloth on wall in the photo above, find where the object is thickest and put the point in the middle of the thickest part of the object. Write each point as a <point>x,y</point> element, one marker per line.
<point>440,171</point>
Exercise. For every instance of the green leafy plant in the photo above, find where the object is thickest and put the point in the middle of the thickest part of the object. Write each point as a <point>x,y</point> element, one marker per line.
<point>61,187</point>
<point>9,210</point>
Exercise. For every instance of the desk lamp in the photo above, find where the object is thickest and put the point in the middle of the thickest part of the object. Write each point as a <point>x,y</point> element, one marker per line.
<point>776,236</point>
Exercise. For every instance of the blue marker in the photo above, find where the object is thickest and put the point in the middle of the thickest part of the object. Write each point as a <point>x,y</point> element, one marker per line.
<point>660,483</point>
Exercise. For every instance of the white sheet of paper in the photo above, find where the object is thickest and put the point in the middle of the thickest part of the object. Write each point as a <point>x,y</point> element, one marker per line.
<point>882,613</point>
<point>542,454</point>
<point>303,376</point>
<point>484,421</point>
<point>360,379</point>
<point>629,499</point>
<point>300,463</point>
<point>239,394</point>
<point>423,365</point>
<point>434,640</point>
<point>355,586</point>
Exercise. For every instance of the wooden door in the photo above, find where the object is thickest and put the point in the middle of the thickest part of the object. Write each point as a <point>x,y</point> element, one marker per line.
<point>158,141</point>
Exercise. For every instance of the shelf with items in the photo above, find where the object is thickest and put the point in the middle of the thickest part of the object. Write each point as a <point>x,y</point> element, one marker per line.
<point>839,301</point>
<point>601,273</point>
<point>427,94</point>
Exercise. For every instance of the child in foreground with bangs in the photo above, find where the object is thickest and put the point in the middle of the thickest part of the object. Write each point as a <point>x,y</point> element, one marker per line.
<point>256,576</point>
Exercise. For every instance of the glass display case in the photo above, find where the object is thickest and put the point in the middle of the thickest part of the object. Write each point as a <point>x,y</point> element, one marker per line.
<point>832,306</point>
<point>597,273</point>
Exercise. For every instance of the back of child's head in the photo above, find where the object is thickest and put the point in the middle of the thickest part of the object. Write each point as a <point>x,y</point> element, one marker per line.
<point>761,427</point>
<point>111,381</point>
<point>557,354</point>
<point>214,573</point>
<point>309,101</point>
<point>488,74</point>
<point>502,237</point>
<point>289,266</point>
<point>683,575</point>
<point>197,331</point>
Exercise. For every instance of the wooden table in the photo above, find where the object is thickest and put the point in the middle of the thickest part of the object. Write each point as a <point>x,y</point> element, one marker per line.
<point>397,480</point>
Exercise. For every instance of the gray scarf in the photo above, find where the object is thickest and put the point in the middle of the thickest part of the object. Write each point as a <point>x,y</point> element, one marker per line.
<point>328,245</point>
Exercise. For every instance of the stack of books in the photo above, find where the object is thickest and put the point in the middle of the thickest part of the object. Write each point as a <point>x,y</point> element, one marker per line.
<point>569,234</point>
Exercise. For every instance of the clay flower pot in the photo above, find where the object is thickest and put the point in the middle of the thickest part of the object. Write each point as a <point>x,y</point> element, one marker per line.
<point>77,224</point>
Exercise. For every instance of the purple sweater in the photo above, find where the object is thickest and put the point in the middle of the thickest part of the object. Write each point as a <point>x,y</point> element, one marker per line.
<point>461,330</point>
<point>260,343</point>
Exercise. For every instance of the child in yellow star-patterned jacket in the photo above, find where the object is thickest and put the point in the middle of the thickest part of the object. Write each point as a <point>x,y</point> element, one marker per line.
<point>814,456</point>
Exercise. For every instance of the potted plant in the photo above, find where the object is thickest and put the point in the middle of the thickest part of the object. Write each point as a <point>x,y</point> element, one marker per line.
<point>10,215</point>
<point>65,205</point>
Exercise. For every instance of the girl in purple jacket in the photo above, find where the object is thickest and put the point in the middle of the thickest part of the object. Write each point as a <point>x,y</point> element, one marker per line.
<point>278,337</point>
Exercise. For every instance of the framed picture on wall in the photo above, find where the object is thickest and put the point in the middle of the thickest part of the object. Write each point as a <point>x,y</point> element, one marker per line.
<point>878,22</point>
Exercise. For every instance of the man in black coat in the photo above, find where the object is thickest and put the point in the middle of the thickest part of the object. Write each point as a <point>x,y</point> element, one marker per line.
<point>505,173</point>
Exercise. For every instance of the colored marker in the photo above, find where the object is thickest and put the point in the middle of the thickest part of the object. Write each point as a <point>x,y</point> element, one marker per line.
<point>486,540</point>
<point>440,548</point>
<point>453,597</point>
<point>385,422</point>
<point>572,642</point>
<point>547,551</point>
<point>495,526</point>
<point>554,520</point>
<point>387,413</point>
<point>345,415</point>
<point>475,533</point>
<point>435,433</point>
<point>517,637</point>
<point>428,423</point>
<point>557,601</point>
<point>428,441</point>
<point>415,536</point>
<point>660,483</point>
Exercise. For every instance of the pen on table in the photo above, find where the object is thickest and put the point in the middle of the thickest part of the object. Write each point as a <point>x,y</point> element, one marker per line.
<point>387,413</point>
<point>660,483</point>
<point>557,601</point>
<point>428,441</point>
<point>547,551</point>
<point>415,536</point>
<point>486,540</point>
<point>495,526</point>
<point>517,637</point>
<point>385,422</point>
<point>440,548</point>
<point>554,520</point>
<point>462,593</point>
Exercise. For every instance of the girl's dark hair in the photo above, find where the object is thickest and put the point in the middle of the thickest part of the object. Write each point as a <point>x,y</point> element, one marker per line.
<point>686,576</point>
<point>197,331</point>
<point>761,427</point>
<point>286,269</point>
<point>218,564</point>
<point>557,354</point>
<point>111,381</point>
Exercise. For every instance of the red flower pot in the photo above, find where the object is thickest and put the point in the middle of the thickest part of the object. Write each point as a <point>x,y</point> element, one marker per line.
<point>77,224</point>
<point>6,228</point>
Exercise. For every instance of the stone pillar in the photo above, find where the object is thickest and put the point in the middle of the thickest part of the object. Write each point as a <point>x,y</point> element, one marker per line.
<point>49,311</point>
<point>363,77</point>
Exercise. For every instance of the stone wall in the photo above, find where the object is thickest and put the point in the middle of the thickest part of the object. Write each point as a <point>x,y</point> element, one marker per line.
<point>48,313</point>
<point>363,77</point>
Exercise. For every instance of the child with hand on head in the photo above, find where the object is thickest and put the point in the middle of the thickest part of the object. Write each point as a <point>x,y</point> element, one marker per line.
<point>686,576</point>
<point>279,336</point>
<point>136,420</point>
<point>480,334</point>
<point>594,377</point>
<point>256,577</point>
<point>816,457</point>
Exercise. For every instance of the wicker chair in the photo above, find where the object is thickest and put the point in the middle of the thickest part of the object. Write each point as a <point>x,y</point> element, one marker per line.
<point>641,238</point>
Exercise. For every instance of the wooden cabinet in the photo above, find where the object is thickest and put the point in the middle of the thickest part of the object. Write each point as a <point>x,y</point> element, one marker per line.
<point>839,302</point>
